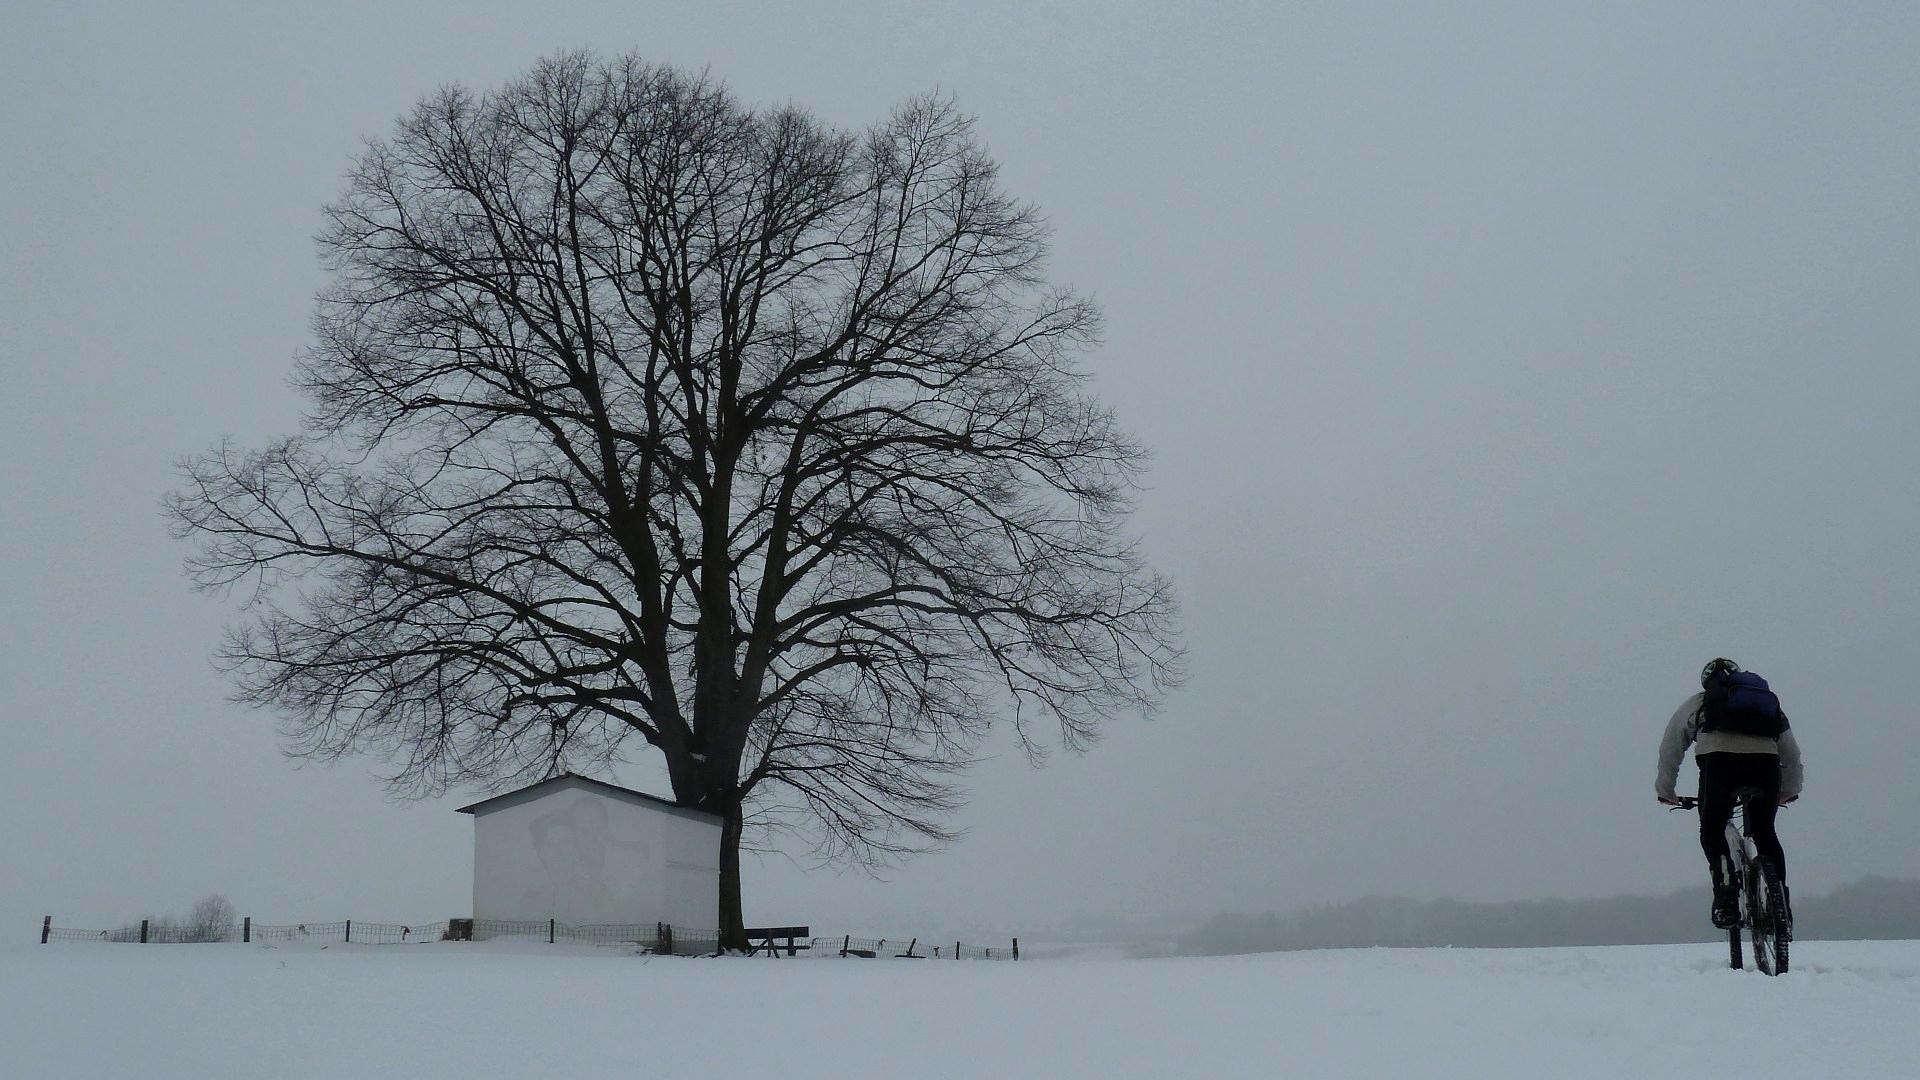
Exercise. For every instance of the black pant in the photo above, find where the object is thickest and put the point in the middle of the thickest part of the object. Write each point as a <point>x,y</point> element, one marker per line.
<point>1722,776</point>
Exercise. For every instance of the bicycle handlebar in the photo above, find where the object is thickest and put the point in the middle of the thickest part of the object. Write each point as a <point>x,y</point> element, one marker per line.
<point>1689,802</point>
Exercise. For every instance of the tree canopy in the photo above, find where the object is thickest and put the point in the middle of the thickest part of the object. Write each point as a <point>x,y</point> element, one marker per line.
<point>641,420</point>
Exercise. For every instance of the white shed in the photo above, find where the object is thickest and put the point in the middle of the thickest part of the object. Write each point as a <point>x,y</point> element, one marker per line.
<point>590,853</point>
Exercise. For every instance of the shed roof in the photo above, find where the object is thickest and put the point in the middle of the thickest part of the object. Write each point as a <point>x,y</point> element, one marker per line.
<point>588,783</point>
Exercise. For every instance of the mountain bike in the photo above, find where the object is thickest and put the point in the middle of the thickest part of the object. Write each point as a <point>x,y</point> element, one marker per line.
<point>1762,895</point>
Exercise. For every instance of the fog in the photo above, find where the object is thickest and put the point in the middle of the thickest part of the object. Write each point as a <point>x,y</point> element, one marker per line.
<point>1873,908</point>
<point>1503,364</point>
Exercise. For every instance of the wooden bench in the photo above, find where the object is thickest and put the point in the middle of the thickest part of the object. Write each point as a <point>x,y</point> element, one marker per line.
<point>762,937</point>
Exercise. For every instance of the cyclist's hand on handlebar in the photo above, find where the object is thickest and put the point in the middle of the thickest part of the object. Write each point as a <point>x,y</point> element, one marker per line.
<point>1668,800</point>
<point>1788,800</point>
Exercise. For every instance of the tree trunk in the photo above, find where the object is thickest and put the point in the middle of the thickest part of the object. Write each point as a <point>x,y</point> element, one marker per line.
<point>733,924</point>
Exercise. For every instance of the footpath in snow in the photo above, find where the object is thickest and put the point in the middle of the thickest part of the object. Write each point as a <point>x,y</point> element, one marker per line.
<point>447,1011</point>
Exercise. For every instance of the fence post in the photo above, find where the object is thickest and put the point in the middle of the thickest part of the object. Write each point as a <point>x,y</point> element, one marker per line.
<point>246,930</point>
<point>143,931</point>
<point>549,931</point>
<point>349,930</point>
<point>956,950</point>
<point>1016,948</point>
<point>46,927</point>
<point>845,943</point>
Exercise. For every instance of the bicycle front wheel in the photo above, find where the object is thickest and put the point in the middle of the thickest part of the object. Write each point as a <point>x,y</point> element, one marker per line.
<point>1771,922</point>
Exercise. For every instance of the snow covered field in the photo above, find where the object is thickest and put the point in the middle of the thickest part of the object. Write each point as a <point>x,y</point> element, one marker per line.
<point>512,1009</point>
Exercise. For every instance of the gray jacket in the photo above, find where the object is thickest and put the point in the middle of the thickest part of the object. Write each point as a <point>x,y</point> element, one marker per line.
<point>1684,729</point>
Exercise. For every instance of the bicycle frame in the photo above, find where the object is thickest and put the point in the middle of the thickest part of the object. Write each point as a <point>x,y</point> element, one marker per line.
<point>1760,898</point>
<point>1740,850</point>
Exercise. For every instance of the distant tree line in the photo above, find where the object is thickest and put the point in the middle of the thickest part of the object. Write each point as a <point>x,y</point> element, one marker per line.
<point>1874,908</point>
<point>212,919</point>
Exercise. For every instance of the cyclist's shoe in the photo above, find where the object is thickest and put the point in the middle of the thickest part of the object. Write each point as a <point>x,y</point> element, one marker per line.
<point>1726,906</point>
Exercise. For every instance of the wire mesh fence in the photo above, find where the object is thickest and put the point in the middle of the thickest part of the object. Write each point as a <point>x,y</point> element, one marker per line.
<point>916,949</point>
<point>165,932</point>
<point>160,933</point>
<point>661,938</point>
<point>654,938</point>
<point>59,933</point>
<point>347,931</point>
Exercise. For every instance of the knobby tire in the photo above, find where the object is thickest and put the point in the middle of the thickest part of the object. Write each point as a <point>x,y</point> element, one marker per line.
<point>1735,876</point>
<point>1772,929</point>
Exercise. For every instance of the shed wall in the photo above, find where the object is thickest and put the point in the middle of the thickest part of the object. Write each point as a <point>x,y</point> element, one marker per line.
<point>585,858</point>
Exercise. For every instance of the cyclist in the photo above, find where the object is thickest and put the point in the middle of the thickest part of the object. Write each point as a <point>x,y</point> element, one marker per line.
<point>1730,761</point>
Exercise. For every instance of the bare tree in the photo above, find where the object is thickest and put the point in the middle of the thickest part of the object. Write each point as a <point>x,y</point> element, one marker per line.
<point>641,417</point>
<point>211,919</point>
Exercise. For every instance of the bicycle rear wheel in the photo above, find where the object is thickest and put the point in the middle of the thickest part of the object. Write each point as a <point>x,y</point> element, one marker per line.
<point>1735,877</point>
<point>1772,924</point>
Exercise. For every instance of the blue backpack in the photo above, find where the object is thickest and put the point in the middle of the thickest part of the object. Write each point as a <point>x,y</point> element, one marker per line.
<point>1740,701</point>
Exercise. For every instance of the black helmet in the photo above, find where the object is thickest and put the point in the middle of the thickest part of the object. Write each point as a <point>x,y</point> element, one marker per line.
<point>1719,668</point>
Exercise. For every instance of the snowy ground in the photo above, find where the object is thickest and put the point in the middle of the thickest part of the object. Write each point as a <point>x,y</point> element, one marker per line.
<point>509,1009</point>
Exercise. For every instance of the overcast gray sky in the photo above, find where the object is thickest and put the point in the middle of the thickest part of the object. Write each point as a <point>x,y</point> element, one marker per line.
<point>1503,363</point>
